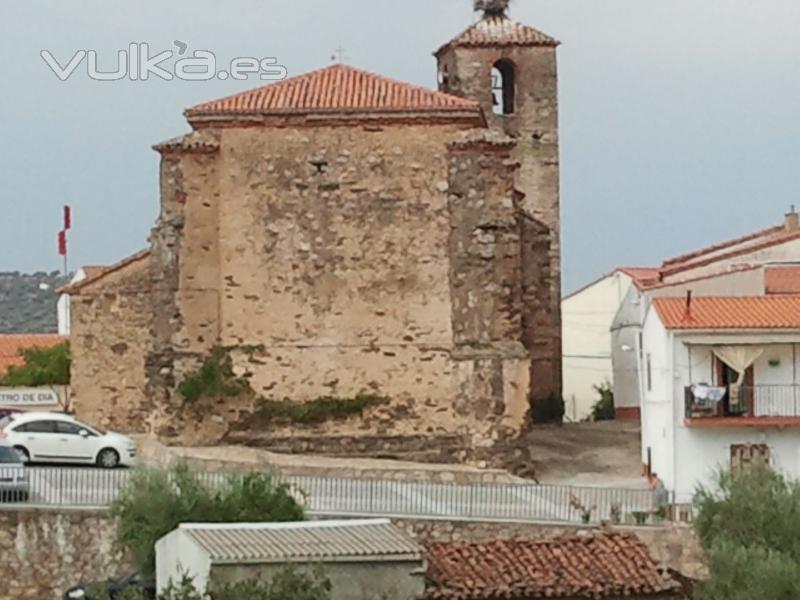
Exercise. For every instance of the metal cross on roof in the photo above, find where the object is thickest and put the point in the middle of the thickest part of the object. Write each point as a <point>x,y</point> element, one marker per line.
<point>339,56</point>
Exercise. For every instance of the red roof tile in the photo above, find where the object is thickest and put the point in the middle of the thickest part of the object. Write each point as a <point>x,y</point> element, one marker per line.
<point>782,280</point>
<point>11,344</point>
<point>601,566</point>
<point>499,31</point>
<point>728,312</point>
<point>338,88</point>
<point>760,235</point>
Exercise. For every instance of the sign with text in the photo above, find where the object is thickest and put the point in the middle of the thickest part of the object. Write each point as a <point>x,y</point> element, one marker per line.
<point>22,397</point>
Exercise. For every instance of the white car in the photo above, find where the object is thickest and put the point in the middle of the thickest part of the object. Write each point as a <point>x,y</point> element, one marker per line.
<point>57,437</point>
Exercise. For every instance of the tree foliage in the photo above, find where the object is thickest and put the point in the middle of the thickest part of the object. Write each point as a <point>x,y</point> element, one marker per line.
<point>155,502</point>
<point>42,366</point>
<point>750,528</point>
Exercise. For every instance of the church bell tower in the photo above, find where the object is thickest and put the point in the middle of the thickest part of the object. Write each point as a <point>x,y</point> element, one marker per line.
<point>510,69</point>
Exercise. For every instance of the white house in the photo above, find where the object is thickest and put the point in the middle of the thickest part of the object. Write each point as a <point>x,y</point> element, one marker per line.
<point>720,387</point>
<point>63,300</point>
<point>751,265</point>
<point>587,315</point>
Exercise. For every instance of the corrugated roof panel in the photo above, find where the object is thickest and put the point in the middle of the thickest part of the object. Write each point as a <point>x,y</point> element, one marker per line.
<point>331,540</point>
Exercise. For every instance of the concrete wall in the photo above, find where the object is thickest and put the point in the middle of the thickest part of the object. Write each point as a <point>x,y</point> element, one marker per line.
<point>587,316</point>
<point>110,337</point>
<point>376,580</point>
<point>43,552</point>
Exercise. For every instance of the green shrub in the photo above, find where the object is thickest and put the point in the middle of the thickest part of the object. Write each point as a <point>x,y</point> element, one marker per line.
<point>749,573</point>
<point>319,410</point>
<point>750,527</point>
<point>548,410</point>
<point>214,379</point>
<point>155,502</point>
<point>42,366</point>
<point>603,409</point>
<point>756,507</point>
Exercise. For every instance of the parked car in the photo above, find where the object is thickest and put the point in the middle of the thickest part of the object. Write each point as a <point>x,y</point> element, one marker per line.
<point>111,588</point>
<point>58,437</point>
<point>7,410</point>
<point>15,486</point>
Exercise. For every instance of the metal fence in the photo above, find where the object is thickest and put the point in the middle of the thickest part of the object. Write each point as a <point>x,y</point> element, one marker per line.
<point>87,487</point>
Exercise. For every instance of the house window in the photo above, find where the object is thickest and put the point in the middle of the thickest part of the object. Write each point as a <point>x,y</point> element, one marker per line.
<point>649,374</point>
<point>744,456</point>
<point>503,87</point>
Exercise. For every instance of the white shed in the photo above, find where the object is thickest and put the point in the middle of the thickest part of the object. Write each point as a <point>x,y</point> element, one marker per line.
<point>362,558</point>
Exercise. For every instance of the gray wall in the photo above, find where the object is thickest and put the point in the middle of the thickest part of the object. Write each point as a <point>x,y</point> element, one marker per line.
<point>350,580</point>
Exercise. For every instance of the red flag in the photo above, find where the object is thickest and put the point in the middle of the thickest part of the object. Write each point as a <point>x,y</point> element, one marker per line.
<point>67,218</point>
<point>62,243</point>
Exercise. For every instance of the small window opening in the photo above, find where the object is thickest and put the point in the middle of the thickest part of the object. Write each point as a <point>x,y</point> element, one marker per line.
<point>503,87</point>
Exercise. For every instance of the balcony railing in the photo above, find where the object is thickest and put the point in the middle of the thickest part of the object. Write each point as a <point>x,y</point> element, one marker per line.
<point>750,401</point>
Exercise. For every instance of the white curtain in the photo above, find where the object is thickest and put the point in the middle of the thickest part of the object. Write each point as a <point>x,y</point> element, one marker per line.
<point>738,358</point>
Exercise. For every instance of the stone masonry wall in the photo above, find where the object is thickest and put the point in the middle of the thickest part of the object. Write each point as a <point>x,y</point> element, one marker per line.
<point>467,72</point>
<point>43,553</point>
<point>328,266</point>
<point>109,340</point>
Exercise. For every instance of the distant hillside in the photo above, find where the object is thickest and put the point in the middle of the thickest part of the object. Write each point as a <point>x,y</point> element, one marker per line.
<point>28,302</point>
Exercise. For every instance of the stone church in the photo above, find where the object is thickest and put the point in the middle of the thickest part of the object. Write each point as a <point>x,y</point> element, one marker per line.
<point>339,234</point>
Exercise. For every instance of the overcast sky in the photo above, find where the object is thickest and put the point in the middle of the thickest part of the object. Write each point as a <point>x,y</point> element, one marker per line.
<point>680,119</point>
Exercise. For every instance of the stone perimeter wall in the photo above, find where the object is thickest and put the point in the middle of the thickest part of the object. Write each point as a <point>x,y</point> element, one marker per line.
<point>43,552</point>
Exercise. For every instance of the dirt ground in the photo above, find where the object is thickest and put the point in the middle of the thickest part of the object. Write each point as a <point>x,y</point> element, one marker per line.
<point>606,454</point>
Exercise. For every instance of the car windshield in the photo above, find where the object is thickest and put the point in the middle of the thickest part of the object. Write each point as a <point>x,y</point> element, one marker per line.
<point>8,455</point>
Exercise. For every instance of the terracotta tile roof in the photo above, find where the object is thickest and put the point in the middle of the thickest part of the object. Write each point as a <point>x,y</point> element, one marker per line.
<point>782,280</point>
<point>642,276</point>
<point>729,312</point>
<point>760,235</point>
<point>499,31</point>
<point>601,566</point>
<point>656,284</point>
<point>11,344</point>
<point>75,288</point>
<point>338,88</point>
<point>196,141</point>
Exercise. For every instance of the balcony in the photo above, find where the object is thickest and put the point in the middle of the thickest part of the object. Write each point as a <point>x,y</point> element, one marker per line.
<point>755,405</point>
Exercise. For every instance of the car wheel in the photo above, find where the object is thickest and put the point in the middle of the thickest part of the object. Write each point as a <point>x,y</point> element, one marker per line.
<point>108,458</point>
<point>24,455</point>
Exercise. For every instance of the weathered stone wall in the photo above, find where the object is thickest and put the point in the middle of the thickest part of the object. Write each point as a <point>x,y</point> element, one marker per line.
<point>109,340</point>
<point>467,72</point>
<point>43,553</point>
<point>339,260</point>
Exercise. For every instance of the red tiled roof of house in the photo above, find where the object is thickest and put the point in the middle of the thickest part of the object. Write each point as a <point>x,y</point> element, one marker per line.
<point>782,280</point>
<point>11,344</point>
<point>605,565</point>
<point>93,271</point>
<point>729,312</point>
<point>761,235</point>
<point>657,284</point>
<point>338,88</point>
<point>101,272</point>
<point>499,31</point>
